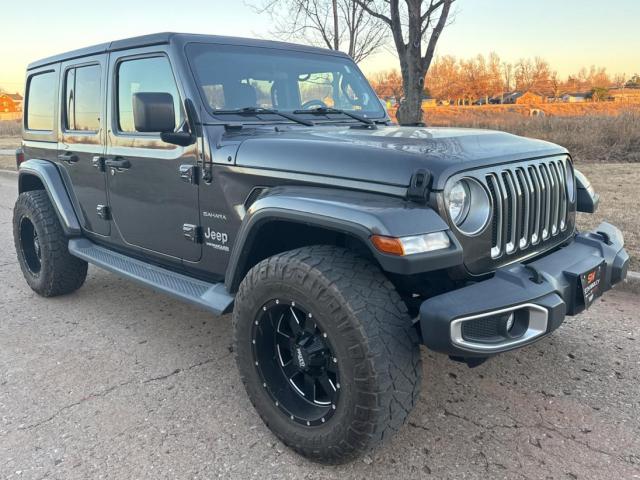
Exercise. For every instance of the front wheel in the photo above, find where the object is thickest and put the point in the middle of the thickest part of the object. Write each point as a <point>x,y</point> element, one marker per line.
<point>326,351</point>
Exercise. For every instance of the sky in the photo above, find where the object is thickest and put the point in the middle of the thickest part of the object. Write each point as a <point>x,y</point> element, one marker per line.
<point>570,34</point>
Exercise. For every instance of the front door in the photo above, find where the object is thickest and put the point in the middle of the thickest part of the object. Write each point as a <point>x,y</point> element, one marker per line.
<point>149,202</point>
<point>82,139</point>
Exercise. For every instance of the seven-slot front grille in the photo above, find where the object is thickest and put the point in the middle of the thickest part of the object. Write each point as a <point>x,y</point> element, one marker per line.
<point>530,204</point>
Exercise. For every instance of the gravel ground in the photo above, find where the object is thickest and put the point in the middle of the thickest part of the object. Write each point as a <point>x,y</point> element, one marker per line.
<point>116,381</point>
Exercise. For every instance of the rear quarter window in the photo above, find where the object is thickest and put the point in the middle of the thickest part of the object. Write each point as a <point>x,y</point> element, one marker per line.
<point>41,99</point>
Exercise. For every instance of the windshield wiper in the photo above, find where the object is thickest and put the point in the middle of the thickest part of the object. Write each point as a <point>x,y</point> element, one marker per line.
<point>324,110</point>
<point>267,111</point>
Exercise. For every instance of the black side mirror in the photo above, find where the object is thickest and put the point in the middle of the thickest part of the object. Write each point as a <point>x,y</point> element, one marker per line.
<point>153,112</point>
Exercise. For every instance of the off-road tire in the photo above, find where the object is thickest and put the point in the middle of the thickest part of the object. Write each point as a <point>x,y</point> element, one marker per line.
<point>376,345</point>
<point>59,272</point>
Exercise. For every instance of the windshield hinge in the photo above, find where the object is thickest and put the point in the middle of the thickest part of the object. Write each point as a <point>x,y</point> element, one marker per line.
<point>418,190</point>
<point>233,126</point>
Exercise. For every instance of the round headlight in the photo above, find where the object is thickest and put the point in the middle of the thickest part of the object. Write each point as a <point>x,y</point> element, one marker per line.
<point>459,202</point>
<point>468,205</point>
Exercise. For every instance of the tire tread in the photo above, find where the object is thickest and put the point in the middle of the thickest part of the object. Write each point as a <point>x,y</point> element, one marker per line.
<point>61,273</point>
<point>388,361</point>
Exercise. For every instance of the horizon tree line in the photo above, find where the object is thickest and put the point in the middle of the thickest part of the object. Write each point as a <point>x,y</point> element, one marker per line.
<point>463,81</point>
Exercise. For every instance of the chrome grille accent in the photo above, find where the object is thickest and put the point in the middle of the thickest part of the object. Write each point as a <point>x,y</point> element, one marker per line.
<point>530,204</point>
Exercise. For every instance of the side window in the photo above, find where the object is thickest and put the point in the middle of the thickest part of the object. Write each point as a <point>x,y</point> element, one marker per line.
<point>41,100</point>
<point>144,75</point>
<point>82,106</point>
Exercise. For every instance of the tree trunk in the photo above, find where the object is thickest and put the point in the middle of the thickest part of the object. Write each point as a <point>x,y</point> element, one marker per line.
<point>336,36</point>
<point>420,28</point>
<point>410,110</point>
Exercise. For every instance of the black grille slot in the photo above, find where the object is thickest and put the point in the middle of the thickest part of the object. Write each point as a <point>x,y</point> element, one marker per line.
<point>530,204</point>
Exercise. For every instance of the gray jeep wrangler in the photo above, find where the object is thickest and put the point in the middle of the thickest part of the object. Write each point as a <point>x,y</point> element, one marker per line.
<point>266,179</point>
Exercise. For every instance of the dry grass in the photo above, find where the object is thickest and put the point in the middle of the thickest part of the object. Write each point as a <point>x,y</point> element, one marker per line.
<point>8,162</point>
<point>617,185</point>
<point>9,128</point>
<point>601,138</point>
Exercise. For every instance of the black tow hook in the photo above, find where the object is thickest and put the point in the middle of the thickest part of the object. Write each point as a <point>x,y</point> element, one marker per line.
<point>537,276</point>
<point>471,362</point>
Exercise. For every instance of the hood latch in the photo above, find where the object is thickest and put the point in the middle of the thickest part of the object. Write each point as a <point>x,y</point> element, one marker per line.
<point>418,190</point>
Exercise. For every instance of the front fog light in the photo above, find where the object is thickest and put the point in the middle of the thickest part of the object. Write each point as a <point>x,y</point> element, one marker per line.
<point>510,321</point>
<point>413,244</point>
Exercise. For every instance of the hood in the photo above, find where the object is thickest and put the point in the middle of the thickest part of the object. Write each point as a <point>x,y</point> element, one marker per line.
<point>386,155</point>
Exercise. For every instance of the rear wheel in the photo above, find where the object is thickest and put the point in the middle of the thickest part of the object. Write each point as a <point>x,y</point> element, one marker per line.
<point>326,351</point>
<point>42,247</point>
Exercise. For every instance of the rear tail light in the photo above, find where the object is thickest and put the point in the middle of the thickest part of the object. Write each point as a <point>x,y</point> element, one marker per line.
<point>19,157</point>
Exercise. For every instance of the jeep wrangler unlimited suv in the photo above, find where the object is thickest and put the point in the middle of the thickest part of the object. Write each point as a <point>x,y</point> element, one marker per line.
<point>266,179</point>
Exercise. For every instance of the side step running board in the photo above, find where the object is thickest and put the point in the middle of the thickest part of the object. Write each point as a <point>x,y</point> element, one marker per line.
<point>212,296</point>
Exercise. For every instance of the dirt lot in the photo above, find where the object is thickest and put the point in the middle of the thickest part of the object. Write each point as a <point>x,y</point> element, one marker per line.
<point>115,381</point>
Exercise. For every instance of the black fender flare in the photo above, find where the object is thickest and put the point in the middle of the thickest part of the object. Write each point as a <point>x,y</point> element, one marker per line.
<point>49,176</point>
<point>358,214</point>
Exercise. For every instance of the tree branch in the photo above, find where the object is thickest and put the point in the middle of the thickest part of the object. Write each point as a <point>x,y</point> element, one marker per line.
<point>364,4</point>
<point>435,35</point>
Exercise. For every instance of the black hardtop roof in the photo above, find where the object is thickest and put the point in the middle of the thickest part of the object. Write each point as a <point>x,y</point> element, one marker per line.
<point>172,37</point>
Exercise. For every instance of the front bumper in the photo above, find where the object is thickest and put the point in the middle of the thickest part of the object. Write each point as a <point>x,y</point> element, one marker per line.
<point>535,297</point>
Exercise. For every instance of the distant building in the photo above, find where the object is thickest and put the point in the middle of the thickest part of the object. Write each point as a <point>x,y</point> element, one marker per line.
<point>576,97</point>
<point>522,98</point>
<point>626,95</point>
<point>10,102</point>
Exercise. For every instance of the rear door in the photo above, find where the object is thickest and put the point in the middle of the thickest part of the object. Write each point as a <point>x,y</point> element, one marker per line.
<point>81,144</point>
<point>151,206</point>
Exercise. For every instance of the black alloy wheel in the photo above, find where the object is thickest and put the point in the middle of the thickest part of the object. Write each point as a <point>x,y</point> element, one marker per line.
<point>30,246</point>
<point>295,361</point>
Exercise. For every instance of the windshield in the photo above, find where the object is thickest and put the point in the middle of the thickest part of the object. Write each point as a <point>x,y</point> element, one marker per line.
<point>238,77</point>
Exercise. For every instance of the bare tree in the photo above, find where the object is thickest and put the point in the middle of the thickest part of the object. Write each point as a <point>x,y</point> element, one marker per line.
<point>387,84</point>
<point>507,76</point>
<point>415,26</point>
<point>444,79</point>
<point>619,80</point>
<point>335,24</point>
